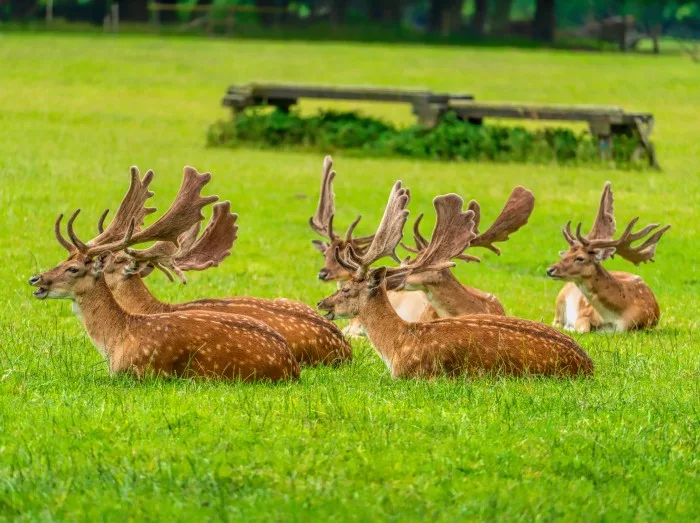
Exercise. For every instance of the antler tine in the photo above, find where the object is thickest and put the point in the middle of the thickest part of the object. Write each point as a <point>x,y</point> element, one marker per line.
<point>322,220</point>
<point>476,209</point>
<point>71,233</point>
<point>604,224</point>
<point>101,222</point>
<point>185,211</point>
<point>389,232</point>
<point>418,238</point>
<point>409,248</point>
<point>131,207</point>
<point>514,215</point>
<point>64,243</point>
<point>623,245</point>
<point>568,235</point>
<point>453,232</point>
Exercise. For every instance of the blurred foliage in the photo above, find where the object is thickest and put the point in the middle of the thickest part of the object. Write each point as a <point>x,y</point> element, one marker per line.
<point>451,139</point>
<point>432,16</point>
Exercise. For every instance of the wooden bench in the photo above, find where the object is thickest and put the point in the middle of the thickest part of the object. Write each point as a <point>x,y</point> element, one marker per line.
<point>427,106</point>
<point>604,122</point>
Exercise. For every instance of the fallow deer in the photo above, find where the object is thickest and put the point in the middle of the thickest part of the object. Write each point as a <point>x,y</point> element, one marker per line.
<point>311,338</point>
<point>597,299</point>
<point>472,344</point>
<point>446,294</point>
<point>410,305</point>
<point>186,343</point>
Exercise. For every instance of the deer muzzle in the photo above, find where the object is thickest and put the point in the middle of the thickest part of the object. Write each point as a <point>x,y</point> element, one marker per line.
<point>37,281</point>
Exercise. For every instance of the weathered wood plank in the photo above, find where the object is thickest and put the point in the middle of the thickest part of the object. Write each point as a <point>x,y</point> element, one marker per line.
<point>330,92</point>
<point>583,113</point>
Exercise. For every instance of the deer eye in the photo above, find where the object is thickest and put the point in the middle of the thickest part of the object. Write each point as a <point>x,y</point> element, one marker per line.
<point>580,259</point>
<point>72,270</point>
<point>344,291</point>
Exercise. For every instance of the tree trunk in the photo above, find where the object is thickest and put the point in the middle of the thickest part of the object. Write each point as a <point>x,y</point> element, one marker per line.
<point>435,15</point>
<point>544,22</point>
<point>478,22</point>
<point>339,10</point>
<point>133,10</point>
<point>501,17</point>
<point>22,9</point>
<point>392,11</point>
<point>376,10</point>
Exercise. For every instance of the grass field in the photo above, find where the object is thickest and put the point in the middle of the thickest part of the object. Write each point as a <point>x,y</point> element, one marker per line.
<point>345,444</point>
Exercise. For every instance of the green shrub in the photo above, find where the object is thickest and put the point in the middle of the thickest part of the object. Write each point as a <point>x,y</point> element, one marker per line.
<point>451,139</point>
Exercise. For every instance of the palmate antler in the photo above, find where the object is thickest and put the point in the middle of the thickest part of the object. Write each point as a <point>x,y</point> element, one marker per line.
<point>322,220</point>
<point>132,208</point>
<point>623,245</point>
<point>453,233</point>
<point>601,235</point>
<point>514,215</point>
<point>387,237</point>
<point>123,232</point>
<point>195,253</point>
<point>604,223</point>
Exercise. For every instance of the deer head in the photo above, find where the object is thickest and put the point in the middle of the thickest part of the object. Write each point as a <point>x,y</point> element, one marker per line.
<point>461,233</point>
<point>322,223</point>
<point>367,282</point>
<point>86,261</point>
<point>585,254</point>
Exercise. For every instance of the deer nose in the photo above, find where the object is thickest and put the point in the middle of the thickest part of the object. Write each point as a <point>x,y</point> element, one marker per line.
<point>551,271</point>
<point>323,274</point>
<point>34,279</point>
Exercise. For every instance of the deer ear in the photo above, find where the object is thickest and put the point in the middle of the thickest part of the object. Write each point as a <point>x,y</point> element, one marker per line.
<point>396,282</point>
<point>322,247</point>
<point>376,279</point>
<point>98,264</point>
<point>135,267</point>
<point>600,255</point>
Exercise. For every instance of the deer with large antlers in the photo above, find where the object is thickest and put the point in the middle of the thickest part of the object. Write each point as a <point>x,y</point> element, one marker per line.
<point>597,299</point>
<point>411,305</point>
<point>311,338</point>
<point>447,295</point>
<point>471,344</point>
<point>185,343</point>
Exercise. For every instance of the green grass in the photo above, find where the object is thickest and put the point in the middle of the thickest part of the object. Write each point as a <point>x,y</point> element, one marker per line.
<point>349,443</point>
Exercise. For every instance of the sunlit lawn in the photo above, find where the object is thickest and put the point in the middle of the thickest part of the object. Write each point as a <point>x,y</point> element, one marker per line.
<point>349,443</point>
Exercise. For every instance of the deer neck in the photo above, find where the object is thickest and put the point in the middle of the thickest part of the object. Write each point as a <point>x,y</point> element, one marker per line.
<point>383,326</point>
<point>447,296</point>
<point>105,321</point>
<point>601,289</point>
<point>134,296</point>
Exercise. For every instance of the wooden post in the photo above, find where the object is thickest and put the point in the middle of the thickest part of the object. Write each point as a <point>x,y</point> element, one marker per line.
<point>155,14</point>
<point>49,12</point>
<point>115,18</point>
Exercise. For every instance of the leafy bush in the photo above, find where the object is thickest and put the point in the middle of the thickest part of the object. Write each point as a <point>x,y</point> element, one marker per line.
<point>451,139</point>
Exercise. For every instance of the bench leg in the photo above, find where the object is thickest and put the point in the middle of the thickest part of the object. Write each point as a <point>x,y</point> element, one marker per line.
<point>645,142</point>
<point>428,114</point>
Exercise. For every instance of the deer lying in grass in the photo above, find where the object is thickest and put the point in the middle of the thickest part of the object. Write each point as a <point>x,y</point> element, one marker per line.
<point>311,338</point>
<point>596,299</point>
<point>412,306</point>
<point>472,344</point>
<point>446,294</point>
<point>185,343</point>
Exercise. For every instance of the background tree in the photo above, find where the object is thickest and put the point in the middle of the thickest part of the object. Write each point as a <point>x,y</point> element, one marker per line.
<point>544,23</point>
